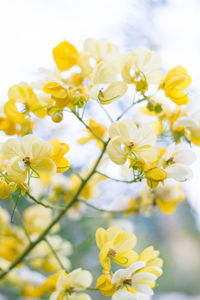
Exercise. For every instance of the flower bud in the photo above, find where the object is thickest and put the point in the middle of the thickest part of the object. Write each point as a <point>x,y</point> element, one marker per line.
<point>57,116</point>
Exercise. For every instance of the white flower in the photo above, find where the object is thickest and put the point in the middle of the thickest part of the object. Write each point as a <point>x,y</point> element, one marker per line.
<point>190,116</point>
<point>139,281</point>
<point>75,281</point>
<point>142,61</point>
<point>128,139</point>
<point>176,160</point>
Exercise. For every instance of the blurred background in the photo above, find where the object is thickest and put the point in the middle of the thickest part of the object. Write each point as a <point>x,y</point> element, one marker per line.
<point>29,31</point>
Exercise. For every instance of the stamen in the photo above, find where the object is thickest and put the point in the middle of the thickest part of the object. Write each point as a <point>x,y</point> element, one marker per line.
<point>112,253</point>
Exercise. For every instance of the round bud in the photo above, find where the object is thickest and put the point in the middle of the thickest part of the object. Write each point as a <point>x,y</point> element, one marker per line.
<point>57,116</point>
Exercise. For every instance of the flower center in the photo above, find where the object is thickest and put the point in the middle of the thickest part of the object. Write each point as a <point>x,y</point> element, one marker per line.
<point>170,161</point>
<point>128,281</point>
<point>26,160</point>
<point>71,290</point>
<point>112,253</point>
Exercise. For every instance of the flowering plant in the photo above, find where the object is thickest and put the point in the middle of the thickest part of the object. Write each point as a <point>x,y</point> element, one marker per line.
<point>152,149</point>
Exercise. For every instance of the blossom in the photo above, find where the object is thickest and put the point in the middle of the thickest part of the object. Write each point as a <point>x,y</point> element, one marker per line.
<point>38,218</point>
<point>174,84</point>
<point>72,283</point>
<point>37,291</point>
<point>59,94</point>
<point>24,94</point>
<point>31,153</point>
<point>65,56</point>
<point>59,150</point>
<point>188,120</point>
<point>113,91</point>
<point>98,51</point>
<point>141,67</point>
<point>117,245</point>
<point>176,160</point>
<point>128,140</point>
<point>105,285</point>
<point>134,279</point>
<point>106,73</point>
<point>166,197</point>
<point>99,129</point>
<point>4,189</point>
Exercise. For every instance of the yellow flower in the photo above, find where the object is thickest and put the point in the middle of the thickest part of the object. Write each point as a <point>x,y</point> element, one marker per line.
<point>116,244</point>
<point>7,126</point>
<point>139,277</point>
<point>141,67</point>
<point>12,243</point>
<point>113,91</point>
<point>37,291</point>
<point>65,56</point>
<point>97,51</point>
<point>31,153</point>
<point>128,140</point>
<point>59,150</point>
<point>4,220</point>
<point>168,196</point>
<point>105,285</point>
<point>98,129</point>
<point>4,189</point>
<point>37,219</point>
<point>153,262</point>
<point>154,176</point>
<point>58,93</point>
<point>24,94</point>
<point>72,283</point>
<point>175,82</point>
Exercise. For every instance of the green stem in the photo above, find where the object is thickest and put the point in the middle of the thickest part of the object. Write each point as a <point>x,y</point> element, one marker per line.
<point>115,179</point>
<point>54,253</point>
<point>19,218</point>
<point>43,204</point>
<point>55,220</point>
<point>131,210</point>
<point>88,127</point>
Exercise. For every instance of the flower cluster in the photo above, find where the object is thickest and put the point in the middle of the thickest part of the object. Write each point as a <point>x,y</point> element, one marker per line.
<point>140,273</point>
<point>149,140</point>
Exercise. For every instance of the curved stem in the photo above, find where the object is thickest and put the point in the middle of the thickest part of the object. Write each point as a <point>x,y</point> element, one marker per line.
<point>115,179</point>
<point>54,253</point>
<point>131,210</point>
<point>43,204</point>
<point>19,218</point>
<point>56,219</point>
<point>88,127</point>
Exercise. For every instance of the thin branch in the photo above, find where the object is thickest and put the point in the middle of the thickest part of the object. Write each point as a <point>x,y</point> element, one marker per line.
<point>54,253</point>
<point>13,204</point>
<point>43,204</point>
<point>131,210</point>
<point>42,236</point>
<point>88,127</point>
<point>115,179</point>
